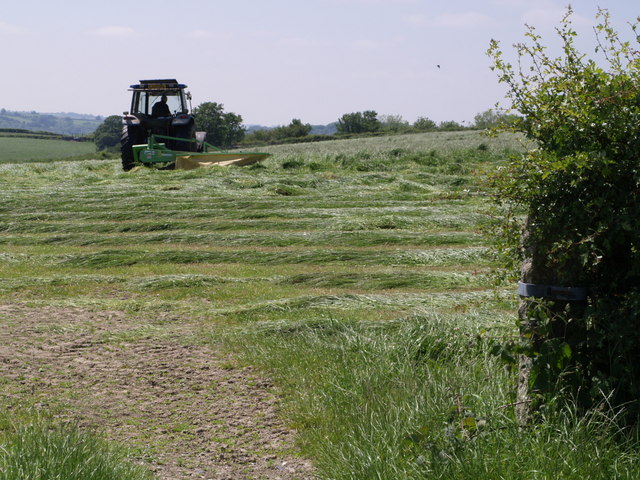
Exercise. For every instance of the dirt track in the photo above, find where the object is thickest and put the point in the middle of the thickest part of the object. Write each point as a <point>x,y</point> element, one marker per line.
<point>184,408</point>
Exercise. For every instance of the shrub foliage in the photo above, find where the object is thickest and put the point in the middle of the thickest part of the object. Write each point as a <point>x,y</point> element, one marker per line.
<point>580,193</point>
<point>359,122</point>
<point>108,134</point>
<point>224,129</point>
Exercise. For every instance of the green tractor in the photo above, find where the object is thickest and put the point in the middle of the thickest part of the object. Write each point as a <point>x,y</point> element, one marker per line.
<point>158,107</point>
<point>160,131</point>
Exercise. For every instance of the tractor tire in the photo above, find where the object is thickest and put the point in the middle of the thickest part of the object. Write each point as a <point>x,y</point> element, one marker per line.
<point>127,140</point>
<point>186,132</point>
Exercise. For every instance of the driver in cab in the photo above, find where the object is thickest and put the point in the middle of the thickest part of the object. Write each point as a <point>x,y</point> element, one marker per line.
<point>161,109</point>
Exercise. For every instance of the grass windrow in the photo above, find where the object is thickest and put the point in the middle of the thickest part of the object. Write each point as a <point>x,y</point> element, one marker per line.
<point>352,274</point>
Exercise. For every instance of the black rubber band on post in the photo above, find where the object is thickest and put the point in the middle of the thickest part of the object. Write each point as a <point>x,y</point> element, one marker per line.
<point>553,292</point>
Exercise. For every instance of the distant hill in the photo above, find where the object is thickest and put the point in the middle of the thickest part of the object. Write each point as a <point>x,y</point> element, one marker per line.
<point>329,129</point>
<point>63,123</point>
<point>69,123</point>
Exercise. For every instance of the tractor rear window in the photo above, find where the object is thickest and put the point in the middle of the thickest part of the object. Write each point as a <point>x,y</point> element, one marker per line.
<point>147,100</point>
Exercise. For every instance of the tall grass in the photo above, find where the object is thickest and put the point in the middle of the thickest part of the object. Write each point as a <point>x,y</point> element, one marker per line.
<point>40,450</point>
<point>422,397</point>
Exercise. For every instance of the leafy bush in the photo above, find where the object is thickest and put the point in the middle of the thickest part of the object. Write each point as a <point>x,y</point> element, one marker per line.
<point>492,119</point>
<point>423,124</point>
<point>224,129</point>
<point>108,133</point>
<point>295,130</point>
<point>394,123</point>
<point>450,125</point>
<point>580,192</point>
<point>359,122</point>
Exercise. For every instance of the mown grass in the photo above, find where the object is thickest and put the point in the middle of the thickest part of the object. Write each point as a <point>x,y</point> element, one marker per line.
<point>354,272</point>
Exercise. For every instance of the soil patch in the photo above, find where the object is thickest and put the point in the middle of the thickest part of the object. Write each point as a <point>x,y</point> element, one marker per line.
<point>184,408</point>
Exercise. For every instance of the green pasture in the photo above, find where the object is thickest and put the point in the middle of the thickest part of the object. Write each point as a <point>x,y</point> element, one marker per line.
<point>354,273</point>
<point>17,149</point>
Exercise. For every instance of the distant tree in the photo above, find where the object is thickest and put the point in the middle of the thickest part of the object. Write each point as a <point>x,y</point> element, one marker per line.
<point>423,124</point>
<point>328,129</point>
<point>394,123</point>
<point>296,129</point>
<point>359,122</point>
<point>223,129</point>
<point>492,118</point>
<point>108,132</point>
<point>350,123</point>
<point>260,136</point>
<point>450,125</point>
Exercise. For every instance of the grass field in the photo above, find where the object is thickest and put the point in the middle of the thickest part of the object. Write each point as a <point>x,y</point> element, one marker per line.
<point>17,149</point>
<point>341,290</point>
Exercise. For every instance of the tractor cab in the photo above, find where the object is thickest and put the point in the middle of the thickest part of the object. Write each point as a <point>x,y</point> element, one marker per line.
<point>148,96</point>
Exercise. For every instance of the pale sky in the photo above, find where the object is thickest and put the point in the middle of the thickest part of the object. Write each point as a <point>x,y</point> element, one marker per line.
<point>274,60</point>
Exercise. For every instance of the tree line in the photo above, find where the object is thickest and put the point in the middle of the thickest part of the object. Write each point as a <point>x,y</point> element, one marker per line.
<point>370,123</point>
<point>225,129</point>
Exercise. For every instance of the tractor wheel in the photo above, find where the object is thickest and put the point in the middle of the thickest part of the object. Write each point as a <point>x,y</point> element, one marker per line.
<point>186,132</point>
<point>126,149</point>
